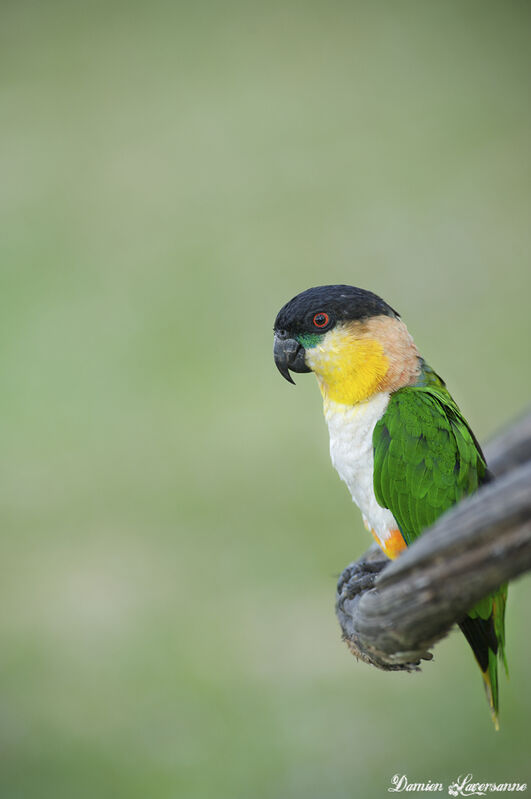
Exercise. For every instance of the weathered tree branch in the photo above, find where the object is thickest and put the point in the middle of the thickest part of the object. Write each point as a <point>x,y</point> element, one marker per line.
<point>392,613</point>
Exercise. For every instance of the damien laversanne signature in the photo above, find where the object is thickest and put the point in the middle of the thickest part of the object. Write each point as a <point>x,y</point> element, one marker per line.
<point>464,785</point>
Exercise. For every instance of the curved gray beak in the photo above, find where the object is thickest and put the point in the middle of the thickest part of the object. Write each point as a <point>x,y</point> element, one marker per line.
<point>289,355</point>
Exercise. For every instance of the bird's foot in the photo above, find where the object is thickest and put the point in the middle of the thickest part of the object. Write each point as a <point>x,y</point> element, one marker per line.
<point>359,577</point>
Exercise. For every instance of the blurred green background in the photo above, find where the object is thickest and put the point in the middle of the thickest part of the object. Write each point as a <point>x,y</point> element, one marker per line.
<point>172,526</point>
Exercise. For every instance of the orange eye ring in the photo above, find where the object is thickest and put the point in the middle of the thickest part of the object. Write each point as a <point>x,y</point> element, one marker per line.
<point>321,319</point>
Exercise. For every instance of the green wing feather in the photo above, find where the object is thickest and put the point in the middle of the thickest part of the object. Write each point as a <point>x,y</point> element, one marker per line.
<point>426,459</point>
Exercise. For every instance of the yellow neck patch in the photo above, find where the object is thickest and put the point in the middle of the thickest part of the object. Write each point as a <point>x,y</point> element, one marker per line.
<point>349,369</point>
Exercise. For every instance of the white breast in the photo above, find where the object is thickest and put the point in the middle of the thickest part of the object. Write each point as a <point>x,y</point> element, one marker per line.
<point>351,429</point>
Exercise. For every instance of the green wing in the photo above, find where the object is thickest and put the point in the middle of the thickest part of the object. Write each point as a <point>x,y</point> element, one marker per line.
<point>426,459</point>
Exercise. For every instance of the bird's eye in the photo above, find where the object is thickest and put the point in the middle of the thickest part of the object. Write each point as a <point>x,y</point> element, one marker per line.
<point>321,319</point>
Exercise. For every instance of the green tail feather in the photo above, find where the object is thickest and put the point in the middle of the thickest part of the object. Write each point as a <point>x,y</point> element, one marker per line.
<point>484,629</point>
<point>490,678</point>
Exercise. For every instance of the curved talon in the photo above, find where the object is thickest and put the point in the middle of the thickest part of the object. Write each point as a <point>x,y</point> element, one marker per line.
<point>358,584</point>
<point>359,577</point>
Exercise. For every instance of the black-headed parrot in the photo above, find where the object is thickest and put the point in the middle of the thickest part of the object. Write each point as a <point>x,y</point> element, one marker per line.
<point>397,438</point>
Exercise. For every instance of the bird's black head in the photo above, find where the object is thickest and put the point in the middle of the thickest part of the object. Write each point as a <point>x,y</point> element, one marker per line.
<point>305,319</point>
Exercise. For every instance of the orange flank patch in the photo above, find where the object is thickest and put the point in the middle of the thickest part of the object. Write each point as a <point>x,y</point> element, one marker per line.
<point>393,545</point>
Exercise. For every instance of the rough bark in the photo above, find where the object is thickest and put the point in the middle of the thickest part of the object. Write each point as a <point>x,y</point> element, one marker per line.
<point>392,613</point>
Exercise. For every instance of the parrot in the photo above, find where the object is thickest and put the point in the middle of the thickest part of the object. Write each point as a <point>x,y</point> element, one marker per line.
<point>397,437</point>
